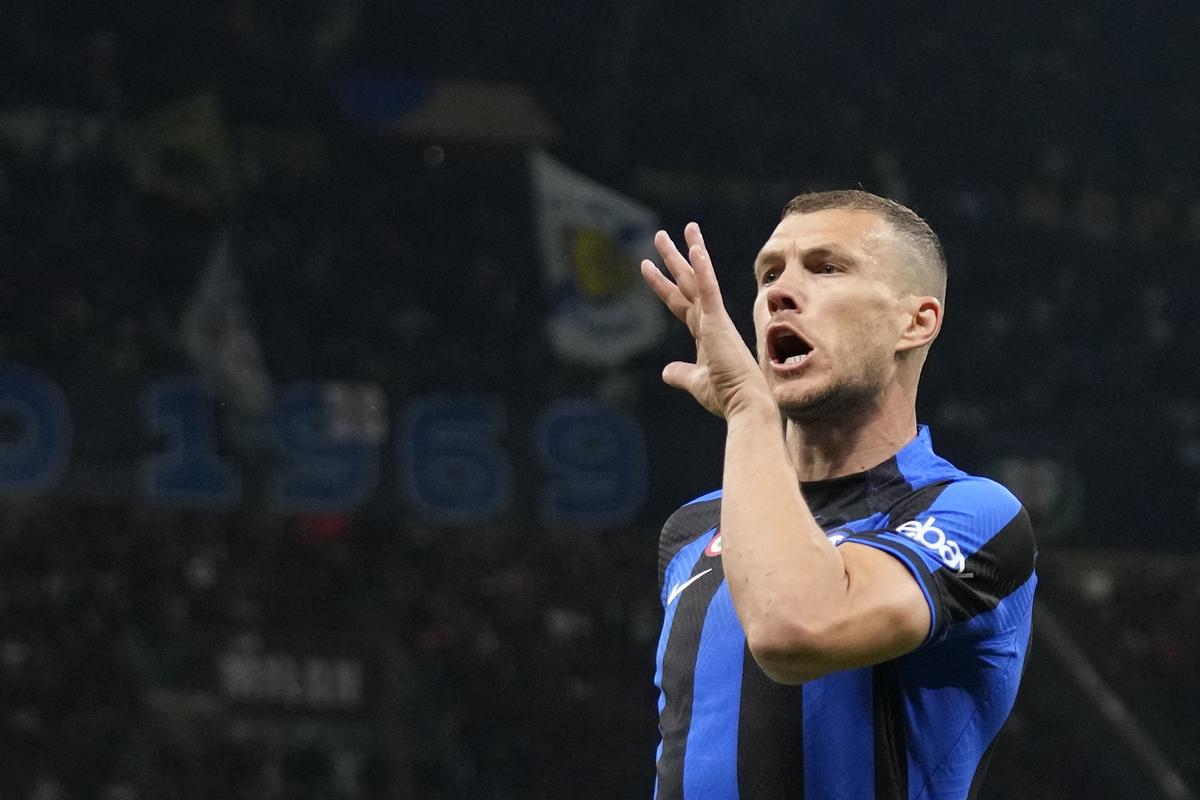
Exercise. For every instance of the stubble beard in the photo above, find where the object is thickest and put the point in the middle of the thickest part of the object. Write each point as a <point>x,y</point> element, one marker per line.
<point>843,400</point>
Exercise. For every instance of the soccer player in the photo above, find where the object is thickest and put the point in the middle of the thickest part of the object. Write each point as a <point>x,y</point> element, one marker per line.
<point>848,617</point>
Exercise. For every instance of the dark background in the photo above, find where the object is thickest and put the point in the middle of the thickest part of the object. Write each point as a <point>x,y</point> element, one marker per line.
<point>382,308</point>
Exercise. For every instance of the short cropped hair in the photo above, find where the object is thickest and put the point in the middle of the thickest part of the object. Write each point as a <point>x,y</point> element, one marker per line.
<point>904,221</point>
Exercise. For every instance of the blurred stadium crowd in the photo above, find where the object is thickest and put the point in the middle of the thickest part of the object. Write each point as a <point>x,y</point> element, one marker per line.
<point>379,238</point>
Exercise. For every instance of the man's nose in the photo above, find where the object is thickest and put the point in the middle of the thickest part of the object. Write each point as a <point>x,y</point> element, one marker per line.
<point>780,299</point>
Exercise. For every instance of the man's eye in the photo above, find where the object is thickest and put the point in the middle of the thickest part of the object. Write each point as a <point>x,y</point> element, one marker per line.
<point>770,276</point>
<point>828,269</point>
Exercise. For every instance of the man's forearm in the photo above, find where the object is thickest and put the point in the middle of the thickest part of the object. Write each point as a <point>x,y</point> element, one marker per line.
<point>785,577</point>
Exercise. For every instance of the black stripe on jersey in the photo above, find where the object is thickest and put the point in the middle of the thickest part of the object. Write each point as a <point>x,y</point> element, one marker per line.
<point>770,744</point>
<point>887,485</point>
<point>679,674</point>
<point>683,527</point>
<point>995,571</point>
<point>914,504</point>
<point>891,741</point>
<point>838,500</point>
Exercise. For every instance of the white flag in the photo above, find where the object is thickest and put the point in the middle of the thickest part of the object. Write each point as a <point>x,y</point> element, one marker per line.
<point>592,241</point>
<point>218,333</point>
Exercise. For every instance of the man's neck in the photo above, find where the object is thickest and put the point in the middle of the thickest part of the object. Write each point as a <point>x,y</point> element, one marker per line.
<point>828,449</point>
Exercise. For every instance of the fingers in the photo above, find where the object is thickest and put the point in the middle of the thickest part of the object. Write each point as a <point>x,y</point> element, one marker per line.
<point>667,292</point>
<point>707,288</point>
<point>695,278</point>
<point>678,266</point>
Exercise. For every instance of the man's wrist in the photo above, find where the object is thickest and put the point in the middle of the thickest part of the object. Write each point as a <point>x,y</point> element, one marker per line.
<point>753,409</point>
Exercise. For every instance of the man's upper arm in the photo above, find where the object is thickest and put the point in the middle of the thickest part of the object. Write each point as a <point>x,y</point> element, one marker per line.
<point>886,614</point>
<point>934,568</point>
<point>967,549</point>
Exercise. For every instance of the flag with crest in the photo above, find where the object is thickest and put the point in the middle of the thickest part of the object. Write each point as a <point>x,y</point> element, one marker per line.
<point>592,239</point>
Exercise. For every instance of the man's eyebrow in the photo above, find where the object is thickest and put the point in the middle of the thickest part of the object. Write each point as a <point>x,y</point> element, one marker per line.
<point>765,255</point>
<point>831,250</point>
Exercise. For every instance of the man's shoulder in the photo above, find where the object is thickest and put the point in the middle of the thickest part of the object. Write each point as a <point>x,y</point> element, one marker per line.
<point>692,519</point>
<point>966,513</point>
<point>970,544</point>
<point>980,493</point>
<point>936,480</point>
<point>695,512</point>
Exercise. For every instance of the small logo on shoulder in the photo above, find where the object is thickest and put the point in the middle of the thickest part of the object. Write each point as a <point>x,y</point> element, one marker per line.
<point>714,547</point>
<point>934,538</point>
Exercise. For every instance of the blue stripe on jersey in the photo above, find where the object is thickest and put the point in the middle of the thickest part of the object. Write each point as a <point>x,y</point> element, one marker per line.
<point>957,696</point>
<point>920,465</point>
<point>838,745</point>
<point>710,764</point>
<point>681,564</point>
<point>976,508</point>
<point>713,495</point>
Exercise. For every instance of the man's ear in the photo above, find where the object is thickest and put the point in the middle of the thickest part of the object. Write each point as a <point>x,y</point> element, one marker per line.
<point>922,321</point>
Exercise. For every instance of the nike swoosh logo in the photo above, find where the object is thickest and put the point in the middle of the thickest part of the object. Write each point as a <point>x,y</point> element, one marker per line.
<point>678,588</point>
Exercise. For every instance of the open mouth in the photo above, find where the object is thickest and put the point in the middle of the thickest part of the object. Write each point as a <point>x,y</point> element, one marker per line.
<point>786,347</point>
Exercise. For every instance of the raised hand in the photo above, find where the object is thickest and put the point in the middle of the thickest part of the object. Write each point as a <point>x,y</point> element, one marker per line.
<point>725,374</point>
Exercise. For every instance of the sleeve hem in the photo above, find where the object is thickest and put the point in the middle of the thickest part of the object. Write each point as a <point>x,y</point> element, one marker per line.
<point>921,575</point>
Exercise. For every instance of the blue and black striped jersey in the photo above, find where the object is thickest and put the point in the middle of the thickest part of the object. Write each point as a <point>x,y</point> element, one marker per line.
<point>921,725</point>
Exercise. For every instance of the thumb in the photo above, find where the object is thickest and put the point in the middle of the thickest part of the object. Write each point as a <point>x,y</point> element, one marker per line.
<point>681,375</point>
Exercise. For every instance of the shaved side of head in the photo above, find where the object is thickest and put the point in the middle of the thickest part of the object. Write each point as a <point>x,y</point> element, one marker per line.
<point>924,271</point>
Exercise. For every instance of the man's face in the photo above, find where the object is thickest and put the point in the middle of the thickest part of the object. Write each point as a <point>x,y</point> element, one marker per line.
<point>828,315</point>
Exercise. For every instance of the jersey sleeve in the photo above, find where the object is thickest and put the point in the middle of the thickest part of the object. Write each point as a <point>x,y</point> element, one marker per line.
<point>969,545</point>
<point>688,522</point>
